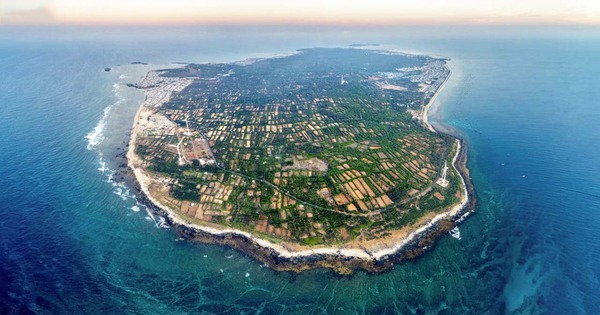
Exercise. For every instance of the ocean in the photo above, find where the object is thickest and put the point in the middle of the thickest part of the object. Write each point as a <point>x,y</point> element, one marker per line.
<point>74,240</point>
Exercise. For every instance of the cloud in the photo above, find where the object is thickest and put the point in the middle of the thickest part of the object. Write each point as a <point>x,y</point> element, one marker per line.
<point>21,5</point>
<point>235,12</point>
<point>40,15</point>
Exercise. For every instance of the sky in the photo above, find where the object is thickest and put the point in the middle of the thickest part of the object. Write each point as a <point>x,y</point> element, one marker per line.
<point>300,12</point>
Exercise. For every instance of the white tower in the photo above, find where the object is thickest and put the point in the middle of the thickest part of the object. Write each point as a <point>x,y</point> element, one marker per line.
<point>442,181</point>
<point>187,126</point>
<point>445,171</point>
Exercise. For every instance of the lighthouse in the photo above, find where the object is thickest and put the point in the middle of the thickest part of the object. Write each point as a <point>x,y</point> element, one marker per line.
<point>187,127</point>
<point>442,181</point>
<point>342,81</point>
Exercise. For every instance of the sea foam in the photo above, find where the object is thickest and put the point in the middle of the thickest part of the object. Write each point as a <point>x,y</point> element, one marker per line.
<point>96,136</point>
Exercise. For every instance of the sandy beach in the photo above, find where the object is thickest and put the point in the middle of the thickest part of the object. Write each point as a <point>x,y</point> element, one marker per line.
<point>425,112</point>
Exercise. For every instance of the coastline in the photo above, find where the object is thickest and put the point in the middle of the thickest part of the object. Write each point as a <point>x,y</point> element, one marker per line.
<point>342,259</point>
<point>425,113</point>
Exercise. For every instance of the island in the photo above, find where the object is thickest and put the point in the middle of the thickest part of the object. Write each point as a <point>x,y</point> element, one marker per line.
<point>319,159</point>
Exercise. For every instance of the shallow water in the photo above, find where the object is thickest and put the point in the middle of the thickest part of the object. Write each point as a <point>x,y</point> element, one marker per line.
<point>71,239</point>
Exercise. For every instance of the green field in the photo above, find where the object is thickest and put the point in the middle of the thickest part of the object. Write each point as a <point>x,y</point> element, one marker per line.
<point>323,146</point>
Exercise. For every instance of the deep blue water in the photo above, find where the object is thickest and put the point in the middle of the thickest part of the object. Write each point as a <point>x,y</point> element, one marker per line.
<point>528,103</point>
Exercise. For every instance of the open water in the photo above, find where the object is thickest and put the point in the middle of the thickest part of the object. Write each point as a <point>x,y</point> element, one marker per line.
<point>73,239</point>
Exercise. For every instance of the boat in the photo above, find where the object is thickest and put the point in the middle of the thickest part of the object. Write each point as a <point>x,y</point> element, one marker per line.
<point>455,232</point>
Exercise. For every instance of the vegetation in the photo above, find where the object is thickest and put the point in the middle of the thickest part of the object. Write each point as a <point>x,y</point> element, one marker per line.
<point>319,147</point>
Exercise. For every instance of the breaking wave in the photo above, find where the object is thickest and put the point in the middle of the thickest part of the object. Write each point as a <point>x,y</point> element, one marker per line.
<point>96,136</point>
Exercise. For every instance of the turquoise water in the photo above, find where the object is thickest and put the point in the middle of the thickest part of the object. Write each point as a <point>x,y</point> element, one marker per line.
<point>71,240</point>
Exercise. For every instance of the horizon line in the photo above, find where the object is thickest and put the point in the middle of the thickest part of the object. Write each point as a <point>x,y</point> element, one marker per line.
<point>301,24</point>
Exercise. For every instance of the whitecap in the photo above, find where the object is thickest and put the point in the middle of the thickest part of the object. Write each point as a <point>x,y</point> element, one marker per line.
<point>96,136</point>
<point>162,223</point>
<point>150,216</point>
<point>109,177</point>
<point>135,208</point>
<point>102,164</point>
<point>121,190</point>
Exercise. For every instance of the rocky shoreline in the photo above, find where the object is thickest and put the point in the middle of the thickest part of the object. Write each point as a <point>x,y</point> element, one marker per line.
<point>341,264</point>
